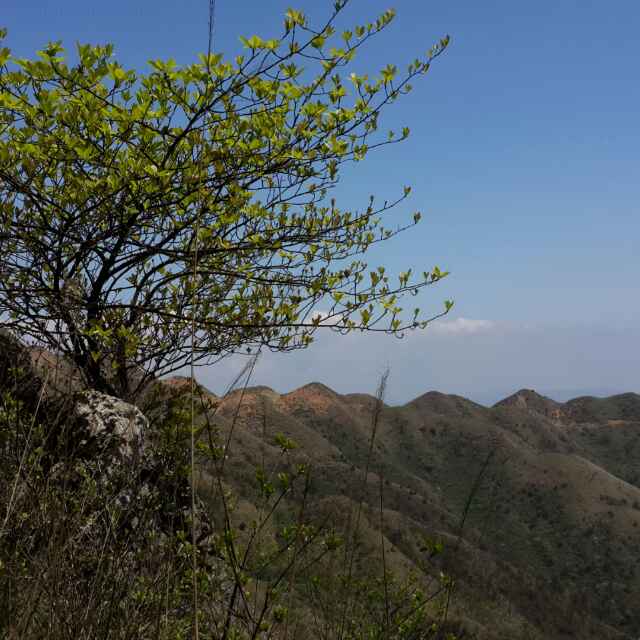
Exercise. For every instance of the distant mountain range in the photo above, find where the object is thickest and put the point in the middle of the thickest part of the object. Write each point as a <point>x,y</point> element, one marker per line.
<point>537,502</point>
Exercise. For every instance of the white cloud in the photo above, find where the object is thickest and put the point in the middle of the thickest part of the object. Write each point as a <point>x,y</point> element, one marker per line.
<point>462,326</point>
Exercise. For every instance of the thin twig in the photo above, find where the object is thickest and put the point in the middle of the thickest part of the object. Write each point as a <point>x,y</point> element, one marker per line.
<point>377,410</point>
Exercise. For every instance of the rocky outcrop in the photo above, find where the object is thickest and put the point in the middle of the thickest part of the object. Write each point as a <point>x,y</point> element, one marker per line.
<point>107,440</point>
<point>89,436</point>
<point>110,428</point>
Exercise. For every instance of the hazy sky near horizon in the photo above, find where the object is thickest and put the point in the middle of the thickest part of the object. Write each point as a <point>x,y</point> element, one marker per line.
<point>524,159</point>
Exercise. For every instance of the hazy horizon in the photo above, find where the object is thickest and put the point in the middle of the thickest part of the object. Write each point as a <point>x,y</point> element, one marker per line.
<point>483,361</point>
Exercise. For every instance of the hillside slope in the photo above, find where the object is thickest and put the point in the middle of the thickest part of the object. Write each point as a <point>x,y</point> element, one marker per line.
<point>536,502</point>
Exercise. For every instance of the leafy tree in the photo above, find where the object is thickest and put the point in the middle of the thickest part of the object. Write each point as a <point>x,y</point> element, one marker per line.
<point>114,185</point>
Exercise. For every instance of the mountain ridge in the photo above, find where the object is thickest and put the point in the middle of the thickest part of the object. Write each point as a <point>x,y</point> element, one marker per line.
<point>549,494</point>
<point>527,394</point>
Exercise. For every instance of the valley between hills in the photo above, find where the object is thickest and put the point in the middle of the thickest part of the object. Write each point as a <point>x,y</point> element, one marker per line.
<point>531,506</point>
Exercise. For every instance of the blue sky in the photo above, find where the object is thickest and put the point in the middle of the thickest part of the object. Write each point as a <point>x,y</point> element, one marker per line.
<point>524,159</point>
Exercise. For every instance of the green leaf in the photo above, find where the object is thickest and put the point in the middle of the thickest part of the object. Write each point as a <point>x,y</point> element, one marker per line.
<point>293,18</point>
<point>285,444</point>
<point>255,42</point>
<point>389,72</point>
<point>118,74</point>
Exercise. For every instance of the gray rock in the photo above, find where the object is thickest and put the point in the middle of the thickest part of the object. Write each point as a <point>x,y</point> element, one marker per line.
<point>111,437</point>
<point>116,428</point>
